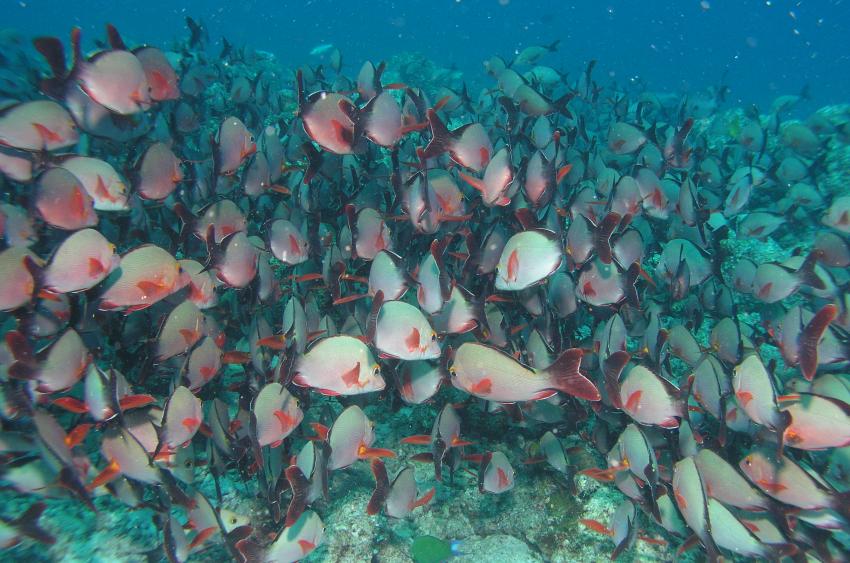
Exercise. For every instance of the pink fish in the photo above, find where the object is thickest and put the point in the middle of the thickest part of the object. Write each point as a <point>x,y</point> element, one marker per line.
<point>467,145</point>
<point>275,414</point>
<point>159,172</point>
<point>147,274</point>
<point>63,202</point>
<point>397,498</point>
<point>82,261</point>
<point>495,474</point>
<point>233,145</point>
<point>339,365</point>
<point>328,118</point>
<point>18,285</point>
<point>36,126</point>
<point>650,399</point>
<point>351,437</point>
<point>491,374</point>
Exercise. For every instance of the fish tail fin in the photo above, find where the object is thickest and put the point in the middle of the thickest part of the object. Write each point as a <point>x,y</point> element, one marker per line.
<point>560,104</point>
<point>115,40</point>
<point>526,218</point>
<point>782,550</point>
<point>175,492</point>
<point>351,218</point>
<point>194,31</point>
<point>652,500</point>
<point>723,432</point>
<point>382,487</point>
<point>713,553</point>
<point>841,505</point>
<point>299,484</point>
<point>440,137</point>
<point>689,543</point>
<point>612,369</point>
<point>76,48</point>
<point>553,46</point>
<point>438,250</point>
<point>314,161</point>
<point>629,288</point>
<point>337,270</point>
<point>372,324</point>
<point>186,220</point>
<point>214,251</point>
<point>810,337</point>
<point>602,240</point>
<point>438,451</point>
<point>486,458</point>
<point>566,376</point>
<point>69,481</point>
<point>379,73</point>
<point>250,551</point>
<point>27,524</point>
<point>25,366</point>
<point>299,88</point>
<point>620,548</point>
<point>807,273</point>
<point>52,50</point>
<point>37,273</point>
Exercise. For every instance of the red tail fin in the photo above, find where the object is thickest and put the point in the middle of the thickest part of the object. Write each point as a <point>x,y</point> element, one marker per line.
<point>613,367</point>
<point>299,485</point>
<point>27,524</point>
<point>602,239</point>
<point>566,377</point>
<point>425,499</point>
<point>807,273</point>
<point>441,137</point>
<point>382,488</point>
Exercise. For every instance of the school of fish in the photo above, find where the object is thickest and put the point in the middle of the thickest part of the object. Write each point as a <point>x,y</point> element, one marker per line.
<point>200,254</point>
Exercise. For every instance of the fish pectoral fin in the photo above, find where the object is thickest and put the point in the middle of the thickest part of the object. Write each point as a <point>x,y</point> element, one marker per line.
<point>109,473</point>
<point>365,452</point>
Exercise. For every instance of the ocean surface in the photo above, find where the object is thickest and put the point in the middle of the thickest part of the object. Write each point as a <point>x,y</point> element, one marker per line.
<point>424,280</point>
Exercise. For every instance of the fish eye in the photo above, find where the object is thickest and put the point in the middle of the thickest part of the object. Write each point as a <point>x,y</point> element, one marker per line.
<point>376,370</point>
<point>452,371</point>
<point>433,337</point>
<point>188,463</point>
<point>233,520</point>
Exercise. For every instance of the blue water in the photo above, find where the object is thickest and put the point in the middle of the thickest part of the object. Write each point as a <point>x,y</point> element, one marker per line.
<point>768,47</point>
